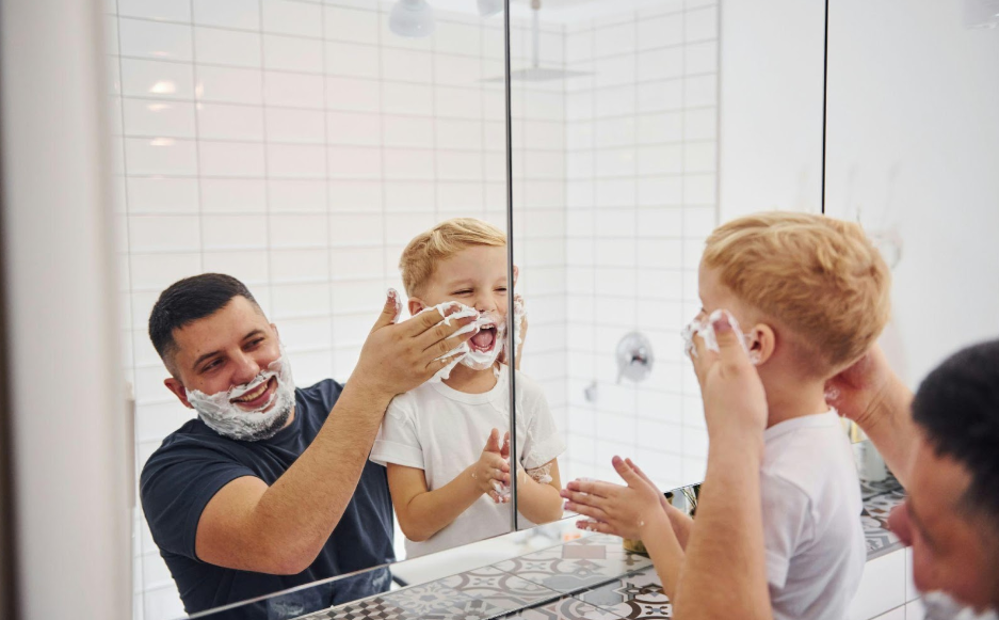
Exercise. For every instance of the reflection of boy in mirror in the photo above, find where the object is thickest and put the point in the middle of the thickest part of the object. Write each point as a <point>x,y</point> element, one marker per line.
<point>442,443</point>
<point>257,494</point>
<point>810,294</point>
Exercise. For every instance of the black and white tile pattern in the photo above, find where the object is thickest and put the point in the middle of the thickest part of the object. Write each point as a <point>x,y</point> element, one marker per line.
<point>575,565</point>
<point>638,596</point>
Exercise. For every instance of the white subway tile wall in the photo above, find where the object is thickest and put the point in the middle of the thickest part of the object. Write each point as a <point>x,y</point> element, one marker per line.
<point>640,166</point>
<point>298,145</point>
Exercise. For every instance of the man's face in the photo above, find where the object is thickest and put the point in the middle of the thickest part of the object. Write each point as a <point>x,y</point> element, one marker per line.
<point>476,277</point>
<point>224,350</point>
<point>953,550</point>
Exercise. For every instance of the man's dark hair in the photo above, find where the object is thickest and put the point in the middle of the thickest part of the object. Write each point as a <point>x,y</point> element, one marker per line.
<point>957,406</point>
<point>188,300</point>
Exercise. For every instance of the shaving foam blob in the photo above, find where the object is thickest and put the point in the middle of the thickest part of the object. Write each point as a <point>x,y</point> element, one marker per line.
<point>941,606</point>
<point>230,420</point>
<point>706,330</point>
<point>464,354</point>
<point>461,350</point>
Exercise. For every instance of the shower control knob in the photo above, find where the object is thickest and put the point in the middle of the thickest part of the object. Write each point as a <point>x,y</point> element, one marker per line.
<point>634,357</point>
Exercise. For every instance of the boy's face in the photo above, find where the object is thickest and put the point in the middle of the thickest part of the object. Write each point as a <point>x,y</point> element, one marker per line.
<point>715,295</point>
<point>476,277</point>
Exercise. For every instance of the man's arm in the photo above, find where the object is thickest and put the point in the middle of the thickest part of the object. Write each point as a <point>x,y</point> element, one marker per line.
<point>282,528</point>
<point>873,396</point>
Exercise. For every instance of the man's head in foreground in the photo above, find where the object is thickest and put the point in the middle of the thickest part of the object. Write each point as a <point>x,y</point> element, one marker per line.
<point>951,517</point>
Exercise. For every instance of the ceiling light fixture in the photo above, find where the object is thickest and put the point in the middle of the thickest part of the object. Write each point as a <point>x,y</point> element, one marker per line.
<point>412,18</point>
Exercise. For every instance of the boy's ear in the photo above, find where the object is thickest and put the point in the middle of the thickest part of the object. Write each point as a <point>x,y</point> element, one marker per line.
<point>516,274</point>
<point>762,342</point>
<point>416,306</point>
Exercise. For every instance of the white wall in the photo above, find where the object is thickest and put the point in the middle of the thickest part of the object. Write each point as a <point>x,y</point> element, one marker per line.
<point>771,106</point>
<point>913,154</point>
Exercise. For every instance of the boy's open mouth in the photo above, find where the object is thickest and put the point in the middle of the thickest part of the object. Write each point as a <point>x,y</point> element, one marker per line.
<point>258,397</point>
<point>485,340</point>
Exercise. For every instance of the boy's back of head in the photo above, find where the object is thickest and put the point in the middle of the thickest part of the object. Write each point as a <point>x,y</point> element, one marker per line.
<point>819,277</point>
<point>426,250</point>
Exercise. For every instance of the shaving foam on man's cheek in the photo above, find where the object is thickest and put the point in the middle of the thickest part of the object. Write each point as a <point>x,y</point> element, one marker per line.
<point>226,418</point>
<point>942,606</point>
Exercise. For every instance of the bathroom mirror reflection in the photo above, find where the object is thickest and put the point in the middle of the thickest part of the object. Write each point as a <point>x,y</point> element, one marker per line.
<point>299,147</point>
<point>615,134</point>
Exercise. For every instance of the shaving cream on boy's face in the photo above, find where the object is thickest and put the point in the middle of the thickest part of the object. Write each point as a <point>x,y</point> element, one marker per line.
<point>253,411</point>
<point>482,350</point>
<point>703,326</point>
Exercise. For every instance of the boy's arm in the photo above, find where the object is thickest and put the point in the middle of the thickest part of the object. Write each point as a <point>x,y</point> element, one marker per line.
<point>540,501</point>
<point>660,540</point>
<point>422,512</point>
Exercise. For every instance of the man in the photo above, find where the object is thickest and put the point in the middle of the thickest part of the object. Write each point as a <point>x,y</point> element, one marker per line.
<point>943,444</point>
<point>270,487</point>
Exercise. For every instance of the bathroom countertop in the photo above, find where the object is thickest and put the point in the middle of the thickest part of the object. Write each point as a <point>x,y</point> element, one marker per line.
<point>591,578</point>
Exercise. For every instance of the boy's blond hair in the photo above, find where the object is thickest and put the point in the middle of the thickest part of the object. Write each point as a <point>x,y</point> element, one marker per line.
<point>820,277</point>
<point>441,242</point>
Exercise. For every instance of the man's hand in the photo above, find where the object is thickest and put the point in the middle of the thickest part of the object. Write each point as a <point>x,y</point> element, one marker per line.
<point>614,509</point>
<point>398,357</point>
<point>734,399</point>
<point>858,391</point>
<point>491,471</point>
<point>873,396</point>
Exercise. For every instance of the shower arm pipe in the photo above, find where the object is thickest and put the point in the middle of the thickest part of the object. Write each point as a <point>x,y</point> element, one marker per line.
<point>535,33</point>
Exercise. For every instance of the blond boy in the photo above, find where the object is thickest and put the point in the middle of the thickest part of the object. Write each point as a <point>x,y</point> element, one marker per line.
<point>811,295</point>
<point>441,442</point>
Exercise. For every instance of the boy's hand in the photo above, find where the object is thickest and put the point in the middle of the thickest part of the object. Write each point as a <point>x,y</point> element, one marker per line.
<point>491,471</point>
<point>614,509</point>
<point>398,357</point>
<point>734,399</point>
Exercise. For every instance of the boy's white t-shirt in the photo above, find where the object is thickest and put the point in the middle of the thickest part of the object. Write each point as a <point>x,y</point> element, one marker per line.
<point>442,431</point>
<point>815,546</point>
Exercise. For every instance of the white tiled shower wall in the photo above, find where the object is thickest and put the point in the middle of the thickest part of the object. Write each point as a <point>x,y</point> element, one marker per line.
<point>640,147</point>
<point>298,145</point>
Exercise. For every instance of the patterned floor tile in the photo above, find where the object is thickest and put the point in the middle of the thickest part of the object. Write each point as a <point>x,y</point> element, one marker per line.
<point>500,589</point>
<point>437,601</point>
<point>371,609</point>
<point>869,489</point>
<point>576,565</point>
<point>563,609</point>
<point>880,539</point>
<point>635,596</point>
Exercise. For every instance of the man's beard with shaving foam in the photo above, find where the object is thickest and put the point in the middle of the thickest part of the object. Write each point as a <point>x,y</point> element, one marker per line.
<point>228,419</point>
<point>941,606</point>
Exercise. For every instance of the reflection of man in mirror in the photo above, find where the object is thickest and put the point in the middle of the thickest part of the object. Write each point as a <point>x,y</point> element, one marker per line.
<point>257,494</point>
<point>447,465</point>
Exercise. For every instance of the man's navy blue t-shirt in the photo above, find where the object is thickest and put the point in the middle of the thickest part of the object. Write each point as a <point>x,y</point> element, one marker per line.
<point>194,462</point>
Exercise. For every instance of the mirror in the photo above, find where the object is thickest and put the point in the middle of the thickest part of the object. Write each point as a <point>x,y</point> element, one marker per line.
<point>618,179</point>
<point>297,146</point>
<point>615,126</point>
